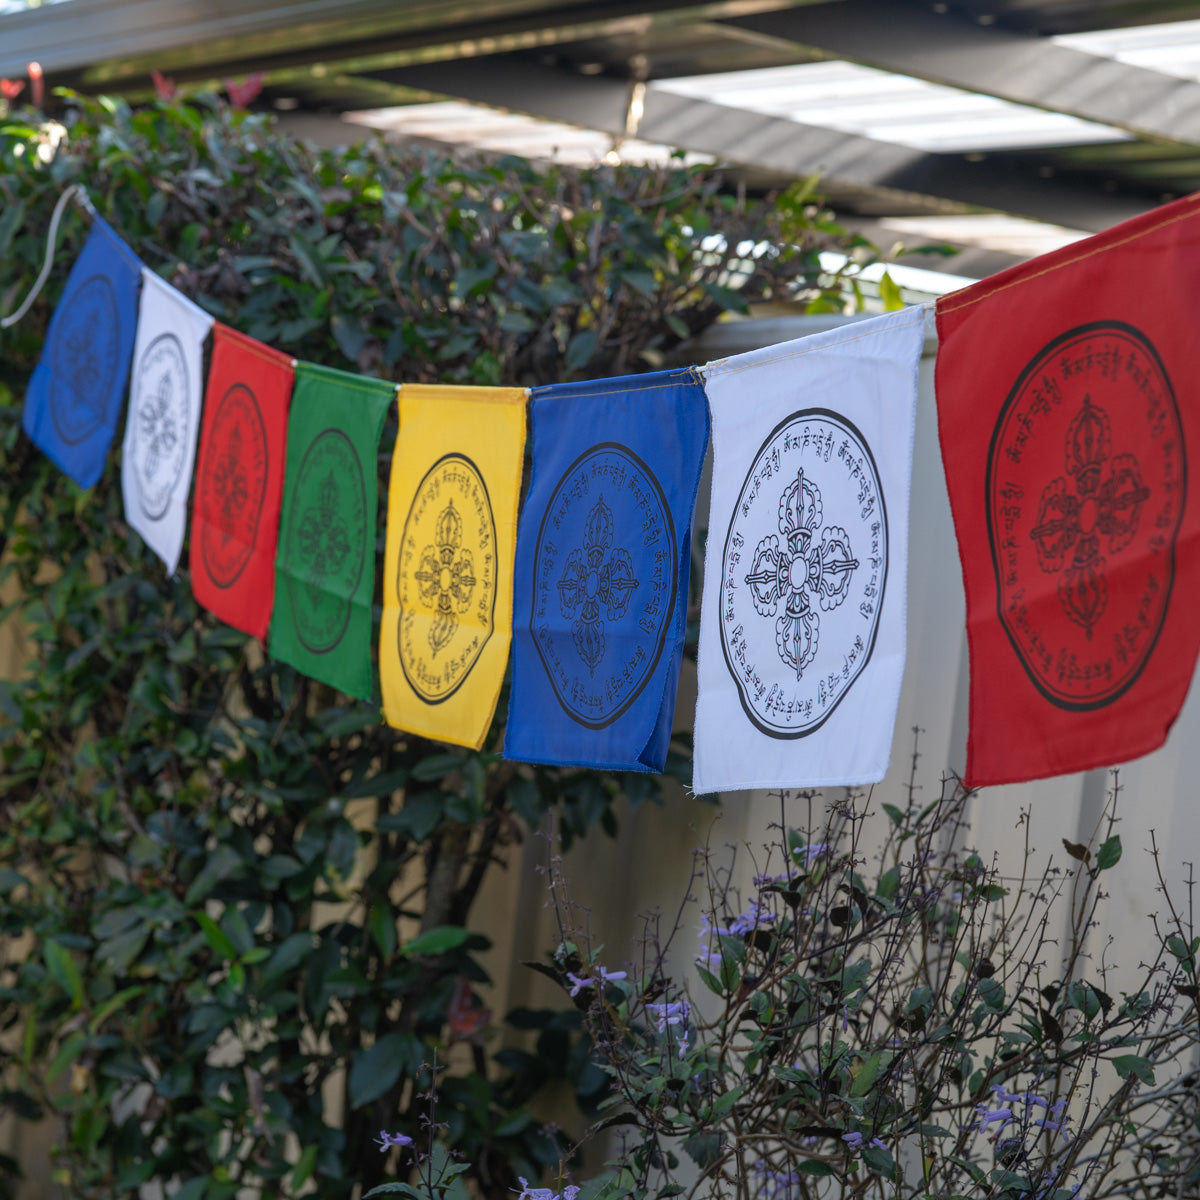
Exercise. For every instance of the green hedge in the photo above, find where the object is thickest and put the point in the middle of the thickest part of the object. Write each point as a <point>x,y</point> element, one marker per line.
<point>173,805</point>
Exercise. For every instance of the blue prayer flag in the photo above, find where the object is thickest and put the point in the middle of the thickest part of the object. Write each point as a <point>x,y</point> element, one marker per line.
<point>74,398</point>
<point>603,551</point>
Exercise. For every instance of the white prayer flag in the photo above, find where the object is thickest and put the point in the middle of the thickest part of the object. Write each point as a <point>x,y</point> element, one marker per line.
<point>802,620</point>
<point>163,418</point>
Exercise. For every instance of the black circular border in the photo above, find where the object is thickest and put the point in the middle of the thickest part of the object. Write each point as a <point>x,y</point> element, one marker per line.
<point>115,339</point>
<point>292,533</point>
<point>799,415</point>
<point>137,474</point>
<point>670,606</point>
<point>456,457</point>
<point>993,453</point>
<point>262,500</point>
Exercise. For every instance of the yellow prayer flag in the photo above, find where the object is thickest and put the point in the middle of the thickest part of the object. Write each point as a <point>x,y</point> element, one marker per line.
<point>448,567</point>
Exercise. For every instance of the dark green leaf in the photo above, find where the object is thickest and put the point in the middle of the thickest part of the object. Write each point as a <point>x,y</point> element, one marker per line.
<point>436,941</point>
<point>64,971</point>
<point>1133,1064</point>
<point>814,1166</point>
<point>376,1069</point>
<point>703,1148</point>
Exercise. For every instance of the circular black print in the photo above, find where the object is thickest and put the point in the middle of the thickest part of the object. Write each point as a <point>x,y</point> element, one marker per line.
<point>803,573</point>
<point>446,578</point>
<point>232,485</point>
<point>1086,480</point>
<point>604,579</point>
<point>160,413</point>
<point>327,538</point>
<point>84,358</point>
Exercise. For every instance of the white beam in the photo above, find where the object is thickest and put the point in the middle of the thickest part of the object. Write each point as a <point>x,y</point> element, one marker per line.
<point>945,48</point>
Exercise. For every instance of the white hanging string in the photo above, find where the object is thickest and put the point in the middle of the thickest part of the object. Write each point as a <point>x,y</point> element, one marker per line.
<point>77,193</point>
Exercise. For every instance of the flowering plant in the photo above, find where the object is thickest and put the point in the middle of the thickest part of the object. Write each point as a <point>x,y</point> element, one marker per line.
<point>906,1023</point>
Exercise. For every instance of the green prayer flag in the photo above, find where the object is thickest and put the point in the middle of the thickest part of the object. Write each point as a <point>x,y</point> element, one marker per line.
<point>325,563</point>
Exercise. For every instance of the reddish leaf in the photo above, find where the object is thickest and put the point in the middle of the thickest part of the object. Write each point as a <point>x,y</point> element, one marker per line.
<point>242,93</point>
<point>163,85</point>
<point>465,1016</point>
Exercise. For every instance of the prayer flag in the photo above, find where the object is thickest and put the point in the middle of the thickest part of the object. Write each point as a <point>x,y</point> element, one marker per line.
<point>326,556</point>
<point>601,576</point>
<point>164,416</point>
<point>239,480</point>
<point>802,621</point>
<point>451,536</point>
<point>1068,401</point>
<point>74,398</point>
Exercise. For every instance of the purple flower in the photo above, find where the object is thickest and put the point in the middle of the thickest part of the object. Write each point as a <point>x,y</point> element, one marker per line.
<point>676,1013</point>
<point>578,983</point>
<point>765,880</point>
<point>754,917</point>
<point>1001,1116</point>
<point>385,1141</point>
<point>854,1139</point>
<point>1055,1120</point>
<point>1029,1099</point>
<point>530,1193</point>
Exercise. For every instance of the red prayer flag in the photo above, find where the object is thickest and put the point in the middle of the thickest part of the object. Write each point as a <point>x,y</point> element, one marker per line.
<point>239,480</point>
<point>1068,404</point>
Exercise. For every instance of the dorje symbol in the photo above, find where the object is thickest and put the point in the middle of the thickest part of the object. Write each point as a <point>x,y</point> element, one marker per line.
<point>799,572</point>
<point>230,483</point>
<point>446,577</point>
<point>324,539</point>
<point>589,580</point>
<point>1102,501</point>
<point>158,425</point>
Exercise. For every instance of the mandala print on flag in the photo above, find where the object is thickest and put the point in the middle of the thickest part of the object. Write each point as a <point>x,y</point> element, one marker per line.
<point>446,580</point>
<point>233,486</point>
<point>800,571</point>
<point>597,576</point>
<point>605,574</point>
<point>803,573</point>
<point>85,360</point>
<point>329,537</point>
<point>1086,478</point>
<point>1095,512</point>
<point>161,413</point>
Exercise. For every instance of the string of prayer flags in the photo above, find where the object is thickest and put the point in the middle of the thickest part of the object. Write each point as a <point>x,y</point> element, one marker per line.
<point>74,398</point>
<point>448,562</point>
<point>325,563</point>
<point>239,480</point>
<point>601,575</point>
<point>802,623</point>
<point>1067,398</point>
<point>164,416</point>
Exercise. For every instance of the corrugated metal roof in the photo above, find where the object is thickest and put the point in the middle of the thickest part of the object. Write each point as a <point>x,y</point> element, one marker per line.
<point>1172,47</point>
<point>892,108</point>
